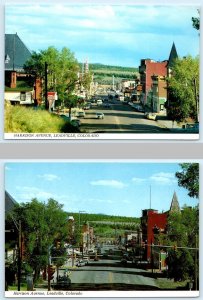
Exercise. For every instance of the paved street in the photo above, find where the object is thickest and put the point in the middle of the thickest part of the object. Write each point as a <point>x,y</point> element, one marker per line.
<point>110,275</point>
<point>118,117</point>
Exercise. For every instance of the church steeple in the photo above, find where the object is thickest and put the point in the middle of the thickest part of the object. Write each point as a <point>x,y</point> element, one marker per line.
<point>174,204</point>
<point>173,55</point>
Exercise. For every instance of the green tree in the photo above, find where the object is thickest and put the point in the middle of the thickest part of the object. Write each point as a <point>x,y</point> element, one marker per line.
<point>184,87</point>
<point>42,225</point>
<point>183,232</point>
<point>62,71</point>
<point>189,178</point>
<point>196,22</point>
<point>70,101</point>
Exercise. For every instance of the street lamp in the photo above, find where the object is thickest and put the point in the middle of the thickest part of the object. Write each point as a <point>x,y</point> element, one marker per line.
<point>80,212</point>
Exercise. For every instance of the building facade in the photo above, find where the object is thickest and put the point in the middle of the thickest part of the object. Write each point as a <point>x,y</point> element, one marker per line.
<point>153,224</point>
<point>147,69</point>
<point>153,76</point>
<point>20,87</point>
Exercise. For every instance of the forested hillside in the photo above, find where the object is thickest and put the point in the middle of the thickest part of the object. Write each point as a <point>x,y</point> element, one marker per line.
<point>106,225</point>
<point>103,73</point>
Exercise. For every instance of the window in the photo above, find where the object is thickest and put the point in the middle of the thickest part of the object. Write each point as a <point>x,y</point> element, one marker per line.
<point>22,96</point>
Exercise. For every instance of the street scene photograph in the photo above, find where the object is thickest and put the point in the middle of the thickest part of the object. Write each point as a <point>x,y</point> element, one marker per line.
<point>93,71</point>
<point>86,228</point>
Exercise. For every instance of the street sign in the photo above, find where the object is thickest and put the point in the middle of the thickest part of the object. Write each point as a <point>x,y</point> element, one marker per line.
<point>51,98</point>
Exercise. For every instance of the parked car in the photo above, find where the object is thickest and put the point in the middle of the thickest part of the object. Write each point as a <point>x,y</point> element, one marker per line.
<point>80,114</point>
<point>106,105</point>
<point>99,102</point>
<point>91,251</point>
<point>73,120</point>
<point>138,107</point>
<point>63,283</point>
<point>151,116</point>
<point>86,260</point>
<point>87,106</point>
<point>80,263</point>
<point>99,115</point>
<point>192,127</point>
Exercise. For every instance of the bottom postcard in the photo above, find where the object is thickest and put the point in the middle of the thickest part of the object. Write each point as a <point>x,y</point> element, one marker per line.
<point>105,228</point>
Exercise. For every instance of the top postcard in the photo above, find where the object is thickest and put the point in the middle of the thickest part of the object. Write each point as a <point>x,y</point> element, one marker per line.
<point>101,72</point>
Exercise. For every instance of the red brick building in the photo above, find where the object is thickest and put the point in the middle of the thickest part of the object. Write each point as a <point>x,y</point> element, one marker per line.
<point>153,222</point>
<point>147,69</point>
<point>155,92</point>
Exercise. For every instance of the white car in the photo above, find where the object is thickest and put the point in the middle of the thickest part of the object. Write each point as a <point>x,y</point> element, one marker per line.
<point>151,116</point>
<point>99,115</point>
<point>80,114</point>
<point>99,102</point>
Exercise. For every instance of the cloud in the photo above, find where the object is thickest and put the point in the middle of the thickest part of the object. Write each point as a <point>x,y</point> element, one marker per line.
<point>134,28</point>
<point>7,168</point>
<point>49,177</point>
<point>163,178</point>
<point>138,180</point>
<point>109,183</point>
<point>26,193</point>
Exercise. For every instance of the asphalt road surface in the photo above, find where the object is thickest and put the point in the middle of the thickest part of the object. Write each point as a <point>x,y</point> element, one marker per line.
<point>118,118</point>
<point>110,275</point>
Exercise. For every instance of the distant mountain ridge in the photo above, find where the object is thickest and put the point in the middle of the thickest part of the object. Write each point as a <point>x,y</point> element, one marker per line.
<point>103,74</point>
<point>102,217</point>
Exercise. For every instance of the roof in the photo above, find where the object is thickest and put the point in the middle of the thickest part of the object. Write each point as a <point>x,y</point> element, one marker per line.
<point>10,202</point>
<point>174,204</point>
<point>16,53</point>
<point>173,55</point>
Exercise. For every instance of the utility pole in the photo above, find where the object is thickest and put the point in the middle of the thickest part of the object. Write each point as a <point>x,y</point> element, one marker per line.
<point>196,263</point>
<point>196,100</point>
<point>19,254</point>
<point>150,199</point>
<point>152,258</point>
<point>46,88</point>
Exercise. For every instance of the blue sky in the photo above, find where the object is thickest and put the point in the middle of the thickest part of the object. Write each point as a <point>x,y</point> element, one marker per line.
<point>108,34</point>
<point>114,188</point>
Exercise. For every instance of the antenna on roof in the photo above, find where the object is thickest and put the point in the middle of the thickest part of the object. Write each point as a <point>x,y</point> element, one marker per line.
<point>150,200</point>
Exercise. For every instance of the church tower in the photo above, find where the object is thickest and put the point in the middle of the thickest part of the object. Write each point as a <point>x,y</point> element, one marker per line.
<point>175,207</point>
<point>172,57</point>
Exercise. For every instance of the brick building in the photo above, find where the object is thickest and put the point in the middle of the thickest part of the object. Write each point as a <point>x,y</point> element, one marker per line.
<point>159,93</point>
<point>153,76</point>
<point>147,69</point>
<point>153,222</point>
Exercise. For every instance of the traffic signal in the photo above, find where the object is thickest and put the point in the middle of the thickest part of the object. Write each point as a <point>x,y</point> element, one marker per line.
<point>51,271</point>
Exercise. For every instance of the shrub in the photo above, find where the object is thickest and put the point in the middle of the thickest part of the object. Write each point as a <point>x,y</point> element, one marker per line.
<point>32,120</point>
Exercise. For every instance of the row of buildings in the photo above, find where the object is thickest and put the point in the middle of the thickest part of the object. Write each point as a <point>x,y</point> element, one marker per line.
<point>152,225</point>
<point>148,87</point>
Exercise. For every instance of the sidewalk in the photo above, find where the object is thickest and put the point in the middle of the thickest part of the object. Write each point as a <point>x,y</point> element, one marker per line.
<point>169,124</point>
